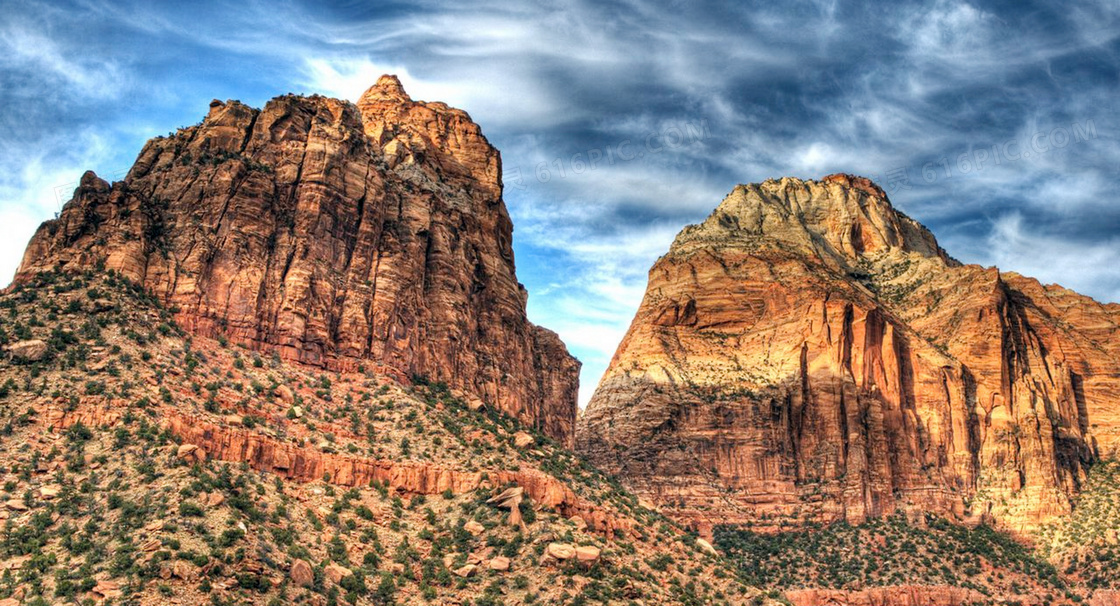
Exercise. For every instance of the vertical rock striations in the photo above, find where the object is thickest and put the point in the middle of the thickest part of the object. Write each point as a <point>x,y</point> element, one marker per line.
<point>808,353</point>
<point>330,233</point>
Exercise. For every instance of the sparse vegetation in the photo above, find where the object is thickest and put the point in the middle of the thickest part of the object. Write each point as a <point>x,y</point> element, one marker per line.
<point>107,499</point>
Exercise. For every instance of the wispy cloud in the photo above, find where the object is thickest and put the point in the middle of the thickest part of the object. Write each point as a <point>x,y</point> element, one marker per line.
<point>1015,243</point>
<point>804,88</point>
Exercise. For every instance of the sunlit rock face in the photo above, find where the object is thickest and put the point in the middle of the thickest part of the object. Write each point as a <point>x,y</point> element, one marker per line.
<point>809,353</point>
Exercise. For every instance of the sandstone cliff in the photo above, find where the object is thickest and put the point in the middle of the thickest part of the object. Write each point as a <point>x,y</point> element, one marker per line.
<point>810,353</point>
<point>330,233</point>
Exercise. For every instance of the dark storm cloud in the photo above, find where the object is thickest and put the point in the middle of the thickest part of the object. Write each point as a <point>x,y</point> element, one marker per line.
<point>928,97</point>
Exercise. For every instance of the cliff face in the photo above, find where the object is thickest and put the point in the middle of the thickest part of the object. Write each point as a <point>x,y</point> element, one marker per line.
<point>809,353</point>
<point>331,234</point>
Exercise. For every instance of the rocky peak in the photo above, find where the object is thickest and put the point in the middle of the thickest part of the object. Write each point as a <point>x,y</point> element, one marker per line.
<point>429,137</point>
<point>387,88</point>
<point>335,235</point>
<point>839,219</point>
<point>809,353</point>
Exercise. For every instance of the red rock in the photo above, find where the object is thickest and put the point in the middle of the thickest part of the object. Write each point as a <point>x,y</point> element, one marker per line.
<point>301,573</point>
<point>330,234</point>
<point>335,573</point>
<point>809,353</point>
<point>499,564</point>
<point>588,554</point>
<point>261,452</point>
<point>904,595</point>
<point>560,551</point>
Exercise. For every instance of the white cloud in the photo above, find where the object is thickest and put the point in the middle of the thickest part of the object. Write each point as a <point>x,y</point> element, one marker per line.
<point>29,50</point>
<point>36,184</point>
<point>1088,268</point>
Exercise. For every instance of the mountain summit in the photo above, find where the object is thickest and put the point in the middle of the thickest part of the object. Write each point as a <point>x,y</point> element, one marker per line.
<point>333,235</point>
<point>810,354</point>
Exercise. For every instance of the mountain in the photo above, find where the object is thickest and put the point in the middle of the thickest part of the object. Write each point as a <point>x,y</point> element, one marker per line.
<point>809,354</point>
<point>333,234</point>
<point>286,360</point>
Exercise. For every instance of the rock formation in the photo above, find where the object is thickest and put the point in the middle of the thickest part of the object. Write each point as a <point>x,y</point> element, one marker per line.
<point>203,439</point>
<point>810,353</point>
<point>888,596</point>
<point>330,233</point>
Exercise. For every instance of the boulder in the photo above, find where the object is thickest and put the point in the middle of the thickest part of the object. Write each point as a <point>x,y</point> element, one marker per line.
<point>499,564</point>
<point>468,570</point>
<point>49,492</point>
<point>336,573</point>
<point>510,499</point>
<point>284,394</point>
<point>560,551</point>
<point>706,547</point>
<point>588,554</point>
<point>523,439</point>
<point>191,453</point>
<point>301,573</point>
<point>474,527</point>
<point>183,570</point>
<point>108,590</point>
<point>32,350</point>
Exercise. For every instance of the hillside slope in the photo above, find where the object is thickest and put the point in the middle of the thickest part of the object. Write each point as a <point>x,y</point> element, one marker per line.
<point>141,464</point>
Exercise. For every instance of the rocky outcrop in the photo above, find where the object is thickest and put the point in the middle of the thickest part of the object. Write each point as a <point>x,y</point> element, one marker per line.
<point>203,439</point>
<point>903,595</point>
<point>332,234</point>
<point>810,353</point>
<point>31,350</point>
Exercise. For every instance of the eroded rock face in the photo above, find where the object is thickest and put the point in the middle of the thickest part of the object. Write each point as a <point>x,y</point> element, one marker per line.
<point>809,353</point>
<point>330,233</point>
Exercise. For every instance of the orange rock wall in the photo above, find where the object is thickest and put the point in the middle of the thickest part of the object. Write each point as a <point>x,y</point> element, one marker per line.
<point>810,354</point>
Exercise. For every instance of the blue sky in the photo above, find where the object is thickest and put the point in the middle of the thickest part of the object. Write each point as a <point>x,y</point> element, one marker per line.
<point>994,123</point>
